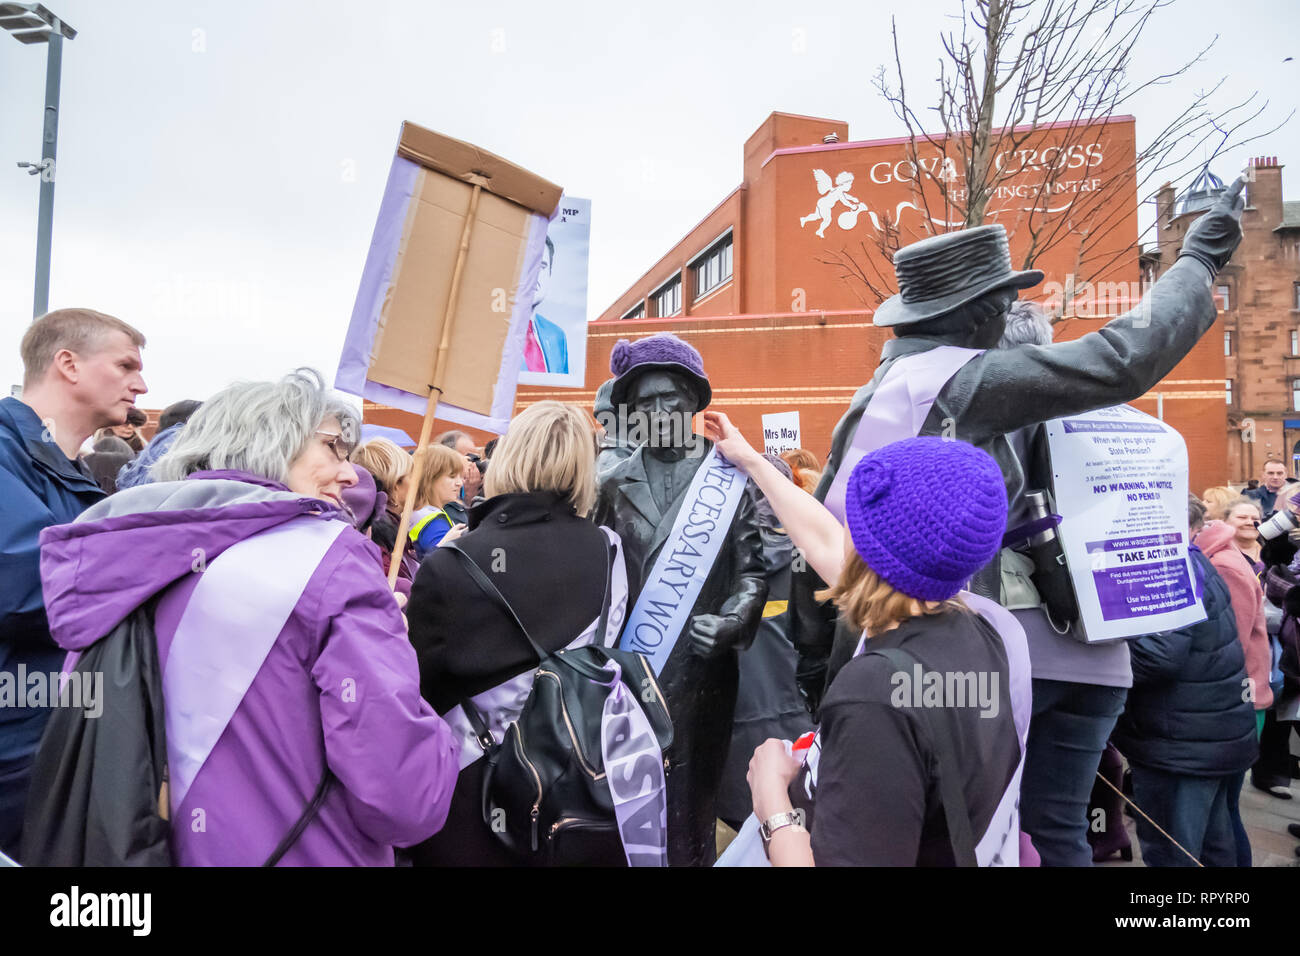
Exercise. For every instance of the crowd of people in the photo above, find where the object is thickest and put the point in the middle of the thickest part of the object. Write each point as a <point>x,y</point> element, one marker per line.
<point>233,570</point>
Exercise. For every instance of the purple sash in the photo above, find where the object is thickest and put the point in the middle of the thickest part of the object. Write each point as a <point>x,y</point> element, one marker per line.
<point>897,409</point>
<point>233,617</point>
<point>1000,844</point>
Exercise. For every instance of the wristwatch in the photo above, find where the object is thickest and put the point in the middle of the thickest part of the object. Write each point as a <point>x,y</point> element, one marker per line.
<point>791,818</point>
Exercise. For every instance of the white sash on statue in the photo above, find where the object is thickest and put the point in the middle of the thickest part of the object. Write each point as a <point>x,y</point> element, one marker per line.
<point>897,409</point>
<point>674,583</point>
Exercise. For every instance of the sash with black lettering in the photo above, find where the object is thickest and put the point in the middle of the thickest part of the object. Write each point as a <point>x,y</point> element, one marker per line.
<point>678,575</point>
<point>634,770</point>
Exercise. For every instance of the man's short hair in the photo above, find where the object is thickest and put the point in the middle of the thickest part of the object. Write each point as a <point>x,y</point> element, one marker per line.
<point>1273,461</point>
<point>78,330</point>
<point>450,439</point>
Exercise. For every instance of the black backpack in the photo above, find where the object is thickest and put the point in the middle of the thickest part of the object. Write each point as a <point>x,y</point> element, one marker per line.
<point>545,794</point>
<point>97,784</point>
<point>98,794</point>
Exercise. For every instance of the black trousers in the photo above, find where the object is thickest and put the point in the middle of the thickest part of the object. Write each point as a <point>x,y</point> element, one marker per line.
<point>1273,768</point>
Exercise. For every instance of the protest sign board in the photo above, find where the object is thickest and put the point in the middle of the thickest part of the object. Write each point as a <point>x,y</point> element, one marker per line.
<point>438,327</point>
<point>555,349</point>
<point>1120,481</point>
<point>451,215</point>
<point>780,432</point>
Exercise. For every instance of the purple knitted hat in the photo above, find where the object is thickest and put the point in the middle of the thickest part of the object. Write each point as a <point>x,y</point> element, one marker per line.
<point>899,530</point>
<point>364,500</point>
<point>630,360</point>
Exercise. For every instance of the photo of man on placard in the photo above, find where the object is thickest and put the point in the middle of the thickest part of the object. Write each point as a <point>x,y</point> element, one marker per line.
<point>546,349</point>
<point>555,346</point>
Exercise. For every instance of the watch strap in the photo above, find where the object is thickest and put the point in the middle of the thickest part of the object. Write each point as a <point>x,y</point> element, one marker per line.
<point>779,821</point>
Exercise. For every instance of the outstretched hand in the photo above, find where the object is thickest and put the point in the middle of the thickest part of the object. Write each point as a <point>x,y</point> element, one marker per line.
<point>731,444</point>
<point>1214,237</point>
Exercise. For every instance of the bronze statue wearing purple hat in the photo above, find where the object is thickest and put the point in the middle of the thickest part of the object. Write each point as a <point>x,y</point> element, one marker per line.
<point>695,572</point>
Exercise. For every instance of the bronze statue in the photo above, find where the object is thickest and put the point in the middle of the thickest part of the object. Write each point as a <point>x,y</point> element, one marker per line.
<point>648,498</point>
<point>942,376</point>
<point>956,291</point>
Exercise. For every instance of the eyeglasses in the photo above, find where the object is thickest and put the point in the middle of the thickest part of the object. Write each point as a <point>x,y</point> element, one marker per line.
<point>335,443</point>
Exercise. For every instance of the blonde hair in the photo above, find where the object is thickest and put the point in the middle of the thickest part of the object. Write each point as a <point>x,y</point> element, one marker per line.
<point>439,462</point>
<point>1217,500</point>
<point>550,447</point>
<point>78,330</point>
<point>800,458</point>
<point>872,604</point>
<point>386,461</point>
<point>808,480</point>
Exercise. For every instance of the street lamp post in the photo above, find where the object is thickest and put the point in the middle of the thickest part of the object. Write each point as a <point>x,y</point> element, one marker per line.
<point>33,23</point>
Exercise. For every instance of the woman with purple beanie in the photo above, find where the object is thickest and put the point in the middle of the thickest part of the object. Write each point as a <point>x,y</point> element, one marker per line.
<point>919,755</point>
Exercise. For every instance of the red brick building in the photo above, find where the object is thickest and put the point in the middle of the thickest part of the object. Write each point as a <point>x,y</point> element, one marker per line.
<point>769,284</point>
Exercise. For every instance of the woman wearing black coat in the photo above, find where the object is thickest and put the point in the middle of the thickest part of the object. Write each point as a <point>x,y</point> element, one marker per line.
<point>532,539</point>
<point>1188,730</point>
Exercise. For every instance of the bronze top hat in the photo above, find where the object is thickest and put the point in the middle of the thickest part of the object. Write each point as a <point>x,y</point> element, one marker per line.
<point>941,273</point>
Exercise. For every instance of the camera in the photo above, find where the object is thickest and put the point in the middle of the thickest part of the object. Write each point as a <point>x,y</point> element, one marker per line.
<point>1278,525</point>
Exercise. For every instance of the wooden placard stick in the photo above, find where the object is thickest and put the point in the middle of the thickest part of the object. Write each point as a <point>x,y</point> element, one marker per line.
<point>439,369</point>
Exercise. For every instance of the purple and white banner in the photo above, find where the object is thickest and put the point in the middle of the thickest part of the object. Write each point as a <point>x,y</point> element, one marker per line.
<point>1121,489</point>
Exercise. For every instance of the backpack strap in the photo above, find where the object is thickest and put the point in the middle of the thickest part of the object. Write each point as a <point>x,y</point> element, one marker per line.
<point>308,813</point>
<point>476,721</point>
<point>492,591</point>
<point>950,790</point>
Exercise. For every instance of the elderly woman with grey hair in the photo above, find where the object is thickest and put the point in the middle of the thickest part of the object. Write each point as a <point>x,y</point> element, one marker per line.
<point>292,693</point>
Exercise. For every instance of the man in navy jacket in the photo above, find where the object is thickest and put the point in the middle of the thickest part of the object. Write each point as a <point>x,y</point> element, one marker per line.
<point>81,372</point>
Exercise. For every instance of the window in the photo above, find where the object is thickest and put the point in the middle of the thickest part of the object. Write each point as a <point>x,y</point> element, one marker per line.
<point>1228,382</point>
<point>1227,343</point>
<point>636,312</point>
<point>713,267</point>
<point>1295,342</point>
<point>1296,287</point>
<point>1295,394</point>
<point>1225,293</point>
<point>668,298</point>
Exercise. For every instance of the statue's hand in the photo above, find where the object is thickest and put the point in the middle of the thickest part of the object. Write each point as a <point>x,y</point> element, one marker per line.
<point>1215,235</point>
<point>713,634</point>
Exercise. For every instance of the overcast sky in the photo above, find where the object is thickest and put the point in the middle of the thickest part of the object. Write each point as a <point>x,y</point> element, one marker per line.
<point>221,163</point>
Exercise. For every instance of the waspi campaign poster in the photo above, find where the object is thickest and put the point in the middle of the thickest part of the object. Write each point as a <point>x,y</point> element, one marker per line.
<point>555,349</point>
<point>1121,490</point>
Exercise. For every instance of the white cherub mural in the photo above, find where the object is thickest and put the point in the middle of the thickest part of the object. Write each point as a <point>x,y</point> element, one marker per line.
<point>832,194</point>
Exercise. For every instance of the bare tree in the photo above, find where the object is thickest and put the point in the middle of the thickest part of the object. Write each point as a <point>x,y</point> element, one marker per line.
<point>1028,78</point>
